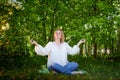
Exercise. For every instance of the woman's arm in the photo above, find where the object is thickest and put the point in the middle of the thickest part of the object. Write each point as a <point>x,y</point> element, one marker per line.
<point>75,49</point>
<point>41,50</point>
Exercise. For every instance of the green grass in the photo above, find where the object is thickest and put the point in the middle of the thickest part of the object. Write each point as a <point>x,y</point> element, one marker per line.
<point>24,67</point>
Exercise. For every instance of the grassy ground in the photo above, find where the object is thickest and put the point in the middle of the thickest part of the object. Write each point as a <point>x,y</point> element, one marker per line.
<point>24,67</point>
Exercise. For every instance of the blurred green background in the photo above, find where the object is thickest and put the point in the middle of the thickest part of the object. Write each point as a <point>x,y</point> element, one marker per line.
<point>97,21</point>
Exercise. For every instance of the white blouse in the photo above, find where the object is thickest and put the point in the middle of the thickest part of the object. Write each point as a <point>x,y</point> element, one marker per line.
<point>57,53</point>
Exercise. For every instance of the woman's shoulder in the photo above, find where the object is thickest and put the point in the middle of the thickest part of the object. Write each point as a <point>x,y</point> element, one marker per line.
<point>50,42</point>
<point>65,43</point>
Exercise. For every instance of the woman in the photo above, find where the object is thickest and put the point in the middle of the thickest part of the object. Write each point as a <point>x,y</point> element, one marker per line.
<point>57,54</point>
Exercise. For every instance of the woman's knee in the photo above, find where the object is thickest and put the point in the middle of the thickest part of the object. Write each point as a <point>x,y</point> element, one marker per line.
<point>75,65</point>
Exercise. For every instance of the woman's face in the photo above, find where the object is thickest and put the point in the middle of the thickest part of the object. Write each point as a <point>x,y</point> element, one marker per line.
<point>58,34</point>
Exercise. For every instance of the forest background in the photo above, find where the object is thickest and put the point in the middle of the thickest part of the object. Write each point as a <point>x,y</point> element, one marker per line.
<point>96,21</point>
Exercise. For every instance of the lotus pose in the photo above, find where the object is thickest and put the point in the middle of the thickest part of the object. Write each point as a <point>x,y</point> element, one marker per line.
<point>57,52</point>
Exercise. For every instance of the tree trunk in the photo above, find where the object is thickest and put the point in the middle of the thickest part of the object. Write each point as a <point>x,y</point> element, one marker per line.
<point>118,42</point>
<point>53,24</point>
<point>44,27</point>
<point>52,27</point>
<point>81,49</point>
<point>112,46</point>
<point>95,47</point>
<point>44,22</point>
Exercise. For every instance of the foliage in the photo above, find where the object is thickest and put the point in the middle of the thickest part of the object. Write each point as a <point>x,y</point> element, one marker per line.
<point>97,21</point>
<point>22,20</point>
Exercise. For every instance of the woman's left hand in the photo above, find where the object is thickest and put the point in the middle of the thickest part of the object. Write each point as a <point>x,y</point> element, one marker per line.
<point>81,41</point>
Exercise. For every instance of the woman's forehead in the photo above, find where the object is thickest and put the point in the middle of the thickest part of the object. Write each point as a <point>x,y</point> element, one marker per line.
<point>58,31</point>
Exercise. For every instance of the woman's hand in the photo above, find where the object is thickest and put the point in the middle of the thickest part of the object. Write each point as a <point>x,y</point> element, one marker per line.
<point>81,41</point>
<point>33,42</point>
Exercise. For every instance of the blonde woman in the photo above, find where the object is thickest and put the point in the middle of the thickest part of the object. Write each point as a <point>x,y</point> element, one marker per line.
<point>57,52</point>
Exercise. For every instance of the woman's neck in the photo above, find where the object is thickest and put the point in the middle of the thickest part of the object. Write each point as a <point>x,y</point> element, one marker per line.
<point>57,41</point>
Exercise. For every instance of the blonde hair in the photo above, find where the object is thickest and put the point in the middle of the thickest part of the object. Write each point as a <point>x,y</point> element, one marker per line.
<point>62,35</point>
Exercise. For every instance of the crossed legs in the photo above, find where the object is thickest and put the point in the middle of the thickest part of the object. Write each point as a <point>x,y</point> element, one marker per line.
<point>67,69</point>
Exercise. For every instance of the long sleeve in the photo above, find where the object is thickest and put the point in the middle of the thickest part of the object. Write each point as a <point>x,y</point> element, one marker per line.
<point>72,50</point>
<point>43,50</point>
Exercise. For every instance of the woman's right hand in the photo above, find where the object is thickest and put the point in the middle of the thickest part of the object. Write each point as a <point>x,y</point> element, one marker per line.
<point>33,42</point>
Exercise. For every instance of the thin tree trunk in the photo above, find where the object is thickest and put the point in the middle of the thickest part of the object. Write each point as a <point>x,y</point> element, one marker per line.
<point>44,27</point>
<point>95,47</point>
<point>44,22</point>
<point>118,43</point>
<point>52,27</point>
<point>53,24</point>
